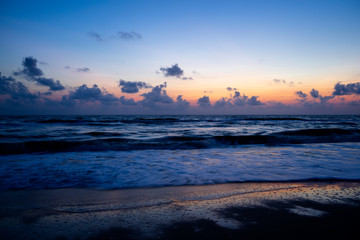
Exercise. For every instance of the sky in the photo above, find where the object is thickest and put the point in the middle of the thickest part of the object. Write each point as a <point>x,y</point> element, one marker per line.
<point>180,57</point>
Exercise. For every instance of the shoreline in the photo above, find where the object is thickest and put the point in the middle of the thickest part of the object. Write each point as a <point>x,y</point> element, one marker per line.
<point>231,210</point>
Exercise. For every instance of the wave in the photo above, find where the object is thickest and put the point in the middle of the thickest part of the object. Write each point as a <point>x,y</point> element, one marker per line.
<point>105,141</point>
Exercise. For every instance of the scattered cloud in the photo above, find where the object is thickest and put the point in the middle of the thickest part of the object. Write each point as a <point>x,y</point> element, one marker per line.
<point>54,85</point>
<point>132,87</point>
<point>204,101</point>
<point>17,90</point>
<point>231,89</point>
<point>128,102</point>
<point>30,69</point>
<point>279,81</point>
<point>283,82</point>
<point>187,78</point>
<point>83,69</point>
<point>253,101</point>
<point>317,98</point>
<point>314,93</point>
<point>119,35</point>
<point>32,73</point>
<point>129,35</point>
<point>182,103</point>
<point>155,96</point>
<point>173,71</point>
<point>346,89</point>
<point>86,94</point>
<point>95,36</point>
<point>300,94</point>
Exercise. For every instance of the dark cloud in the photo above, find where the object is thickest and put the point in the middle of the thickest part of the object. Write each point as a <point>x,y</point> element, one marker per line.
<point>30,68</point>
<point>32,73</point>
<point>128,102</point>
<point>314,93</point>
<point>346,89</point>
<point>231,89</point>
<point>239,100</point>
<point>128,35</point>
<point>157,95</point>
<point>173,71</point>
<point>83,69</point>
<point>95,36</point>
<point>204,101</point>
<point>86,94</point>
<point>243,100</point>
<point>223,102</point>
<point>301,94</point>
<point>17,90</point>
<point>132,87</point>
<point>182,103</point>
<point>54,85</point>
<point>253,101</point>
<point>325,99</point>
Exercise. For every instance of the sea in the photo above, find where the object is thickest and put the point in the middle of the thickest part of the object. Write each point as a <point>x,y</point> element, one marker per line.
<point>115,152</point>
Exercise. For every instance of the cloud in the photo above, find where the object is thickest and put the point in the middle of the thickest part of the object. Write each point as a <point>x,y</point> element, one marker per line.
<point>128,102</point>
<point>282,81</point>
<point>86,94</point>
<point>317,98</point>
<point>83,69</point>
<point>30,68</point>
<point>238,100</point>
<point>204,101</point>
<point>187,78</point>
<point>223,102</point>
<point>314,93</point>
<point>182,103</point>
<point>346,89</point>
<point>279,81</point>
<point>157,95</point>
<point>231,89</point>
<point>32,73</point>
<point>54,85</point>
<point>243,100</point>
<point>301,94</point>
<point>253,101</point>
<point>129,35</point>
<point>17,90</point>
<point>132,87</point>
<point>173,71</point>
<point>95,36</point>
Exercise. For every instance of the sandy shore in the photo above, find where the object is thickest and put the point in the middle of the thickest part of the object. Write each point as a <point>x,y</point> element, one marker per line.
<point>221,211</point>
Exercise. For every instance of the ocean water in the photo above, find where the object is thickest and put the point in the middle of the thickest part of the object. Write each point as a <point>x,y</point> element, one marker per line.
<point>110,152</point>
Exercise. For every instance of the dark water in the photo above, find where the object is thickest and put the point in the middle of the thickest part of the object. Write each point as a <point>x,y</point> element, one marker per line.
<point>138,151</point>
<point>121,133</point>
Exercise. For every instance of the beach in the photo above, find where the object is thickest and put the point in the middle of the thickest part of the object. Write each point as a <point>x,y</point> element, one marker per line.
<point>220,211</point>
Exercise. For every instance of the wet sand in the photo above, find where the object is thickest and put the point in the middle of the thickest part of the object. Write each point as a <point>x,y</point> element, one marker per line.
<point>283,210</point>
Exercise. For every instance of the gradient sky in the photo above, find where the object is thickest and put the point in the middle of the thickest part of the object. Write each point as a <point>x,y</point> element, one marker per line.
<point>223,57</point>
